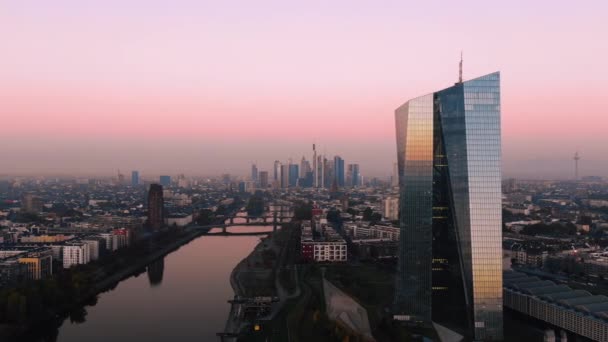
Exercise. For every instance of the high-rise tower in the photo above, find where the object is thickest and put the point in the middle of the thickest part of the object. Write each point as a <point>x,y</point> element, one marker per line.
<point>314,166</point>
<point>339,171</point>
<point>450,262</point>
<point>156,207</point>
<point>134,178</point>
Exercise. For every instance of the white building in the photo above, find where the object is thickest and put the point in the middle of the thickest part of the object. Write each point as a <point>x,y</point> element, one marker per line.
<point>362,231</point>
<point>329,248</point>
<point>390,208</point>
<point>75,253</point>
<point>93,248</point>
<point>179,220</point>
<point>108,238</point>
<point>332,251</point>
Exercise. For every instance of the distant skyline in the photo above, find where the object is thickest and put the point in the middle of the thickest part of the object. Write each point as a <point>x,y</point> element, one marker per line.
<point>202,88</point>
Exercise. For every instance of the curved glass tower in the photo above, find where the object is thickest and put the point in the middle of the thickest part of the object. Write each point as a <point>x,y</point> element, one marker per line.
<point>449,152</point>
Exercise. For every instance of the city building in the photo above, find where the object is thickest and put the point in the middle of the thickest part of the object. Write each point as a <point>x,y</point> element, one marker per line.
<point>39,264</point>
<point>364,231</point>
<point>450,259</point>
<point>31,203</point>
<point>395,176</point>
<point>314,166</point>
<point>45,238</point>
<point>96,247</point>
<point>339,171</point>
<point>576,311</point>
<point>75,253</point>
<point>254,173</point>
<point>353,177</point>
<point>284,176</point>
<point>276,171</point>
<point>121,238</point>
<point>156,207</point>
<point>134,178</point>
<point>320,176</point>
<point>12,272</point>
<point>390,208</point>
<point>293,175</point>
<point>165,181</point>
<point>263,179</point>
<point>329,247</point>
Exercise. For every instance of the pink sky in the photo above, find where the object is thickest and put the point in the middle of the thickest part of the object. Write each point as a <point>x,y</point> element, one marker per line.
<point>203,88</point>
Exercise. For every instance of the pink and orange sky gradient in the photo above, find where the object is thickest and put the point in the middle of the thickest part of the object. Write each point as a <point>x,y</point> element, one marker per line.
<point>204,87</point>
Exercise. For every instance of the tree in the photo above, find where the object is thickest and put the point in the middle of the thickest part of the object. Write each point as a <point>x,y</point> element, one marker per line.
<point>333,216</point>
<point>367,214</point>
<point>303,211</point>
<point>221,210</point>
<point>205,217</point>
<point>255,206</point>
<point>376,217</point>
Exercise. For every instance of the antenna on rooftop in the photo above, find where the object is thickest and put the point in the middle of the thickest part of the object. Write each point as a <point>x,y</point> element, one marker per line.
<point>577,157</point>
<point>460,69</point>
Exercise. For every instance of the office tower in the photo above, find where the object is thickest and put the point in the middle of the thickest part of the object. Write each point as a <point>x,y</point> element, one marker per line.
<point>165,180</point>
<point>293,175</point>
<point>352,175</point>
<point>121,178</point>
<point>263,179</point>
<point>254,173</point>
<point>320,172</point>
<point>314,166</point>
<point>156,207</point>
<point>284,176</point>
<point>395,176</point>
<point>339,170</point>
<point>134,178</point>
<point>328,172</point>
<point>450,267</point>
<point>277,171</point>
<point>304,167</point>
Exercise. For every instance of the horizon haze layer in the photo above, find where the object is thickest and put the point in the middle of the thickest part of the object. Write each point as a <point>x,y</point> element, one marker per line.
<point>208,88</point>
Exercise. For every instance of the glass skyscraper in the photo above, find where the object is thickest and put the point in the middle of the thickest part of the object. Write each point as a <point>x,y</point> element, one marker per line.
<point>134,178</point>
<point>339,170</point>
<point>450,262</point>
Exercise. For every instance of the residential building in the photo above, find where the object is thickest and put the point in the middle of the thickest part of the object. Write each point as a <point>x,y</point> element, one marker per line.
<point>75,253</point>
<point>330,247</point>
<point>39,264</point>
<point>390,208</point>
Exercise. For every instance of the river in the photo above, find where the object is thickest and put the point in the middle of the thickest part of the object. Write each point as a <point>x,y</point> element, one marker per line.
<point>182,298</point>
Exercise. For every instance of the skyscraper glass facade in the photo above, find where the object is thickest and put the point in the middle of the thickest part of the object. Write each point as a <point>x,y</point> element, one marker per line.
<point>449,153</point>
<point>134,178</point>
<point>293,175</point>
<point>339,170</point>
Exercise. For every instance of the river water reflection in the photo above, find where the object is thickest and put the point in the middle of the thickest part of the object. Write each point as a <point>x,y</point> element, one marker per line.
<point>181,298</point>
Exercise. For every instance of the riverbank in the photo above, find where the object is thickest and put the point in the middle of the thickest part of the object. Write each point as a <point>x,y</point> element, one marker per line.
<point>56,315</point>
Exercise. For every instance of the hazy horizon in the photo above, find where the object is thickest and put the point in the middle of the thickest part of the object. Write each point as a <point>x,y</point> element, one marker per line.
<point>204,89</point>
